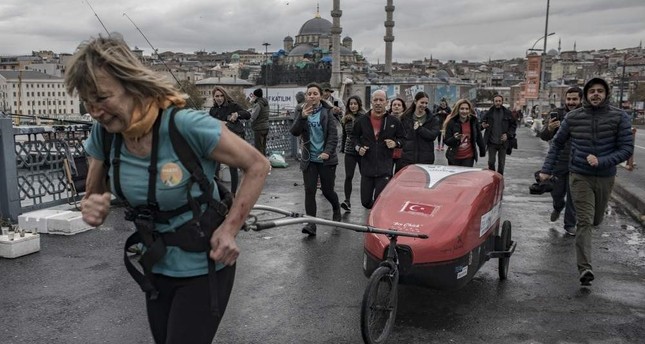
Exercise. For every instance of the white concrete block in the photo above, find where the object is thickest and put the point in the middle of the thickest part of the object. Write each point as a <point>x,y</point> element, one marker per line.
<point>67,223</point>
<point>36,221</point>
<point>19,246</point>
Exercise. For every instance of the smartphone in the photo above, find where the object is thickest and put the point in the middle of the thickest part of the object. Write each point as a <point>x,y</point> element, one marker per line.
<point>554,115</point>
<point>336,103</point>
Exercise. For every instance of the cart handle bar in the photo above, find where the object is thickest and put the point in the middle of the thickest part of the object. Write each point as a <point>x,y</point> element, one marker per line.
<point>296,218</point>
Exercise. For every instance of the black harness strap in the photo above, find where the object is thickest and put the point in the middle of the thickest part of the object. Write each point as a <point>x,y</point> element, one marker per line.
<point>192,236</point>
<point>187,155</point>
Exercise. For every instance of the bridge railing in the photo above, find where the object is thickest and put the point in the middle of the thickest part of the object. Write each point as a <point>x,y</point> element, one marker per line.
<point>32,174</point>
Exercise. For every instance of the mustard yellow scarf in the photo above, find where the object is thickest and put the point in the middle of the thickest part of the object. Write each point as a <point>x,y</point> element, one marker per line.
<point>142,120</point>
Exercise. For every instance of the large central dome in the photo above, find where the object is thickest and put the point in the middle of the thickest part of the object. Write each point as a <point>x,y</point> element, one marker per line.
<point>316,26</point>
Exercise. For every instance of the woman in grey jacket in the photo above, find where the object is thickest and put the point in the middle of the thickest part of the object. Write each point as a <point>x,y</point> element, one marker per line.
<point>317,128</point>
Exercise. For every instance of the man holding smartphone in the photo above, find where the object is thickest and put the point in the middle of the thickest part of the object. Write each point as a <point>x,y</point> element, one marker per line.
<point>561,193</point>
<point>336,104</point>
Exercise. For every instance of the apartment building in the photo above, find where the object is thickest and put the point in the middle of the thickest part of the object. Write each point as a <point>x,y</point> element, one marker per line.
<point>35,93</point>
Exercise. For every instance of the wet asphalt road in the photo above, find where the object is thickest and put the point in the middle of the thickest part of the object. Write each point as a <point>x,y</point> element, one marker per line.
<point>294,289</point>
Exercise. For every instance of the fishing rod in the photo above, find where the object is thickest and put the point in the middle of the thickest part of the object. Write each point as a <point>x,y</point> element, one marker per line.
<point>49,119</point>
<point>190,99</point>
<point>97,17</point>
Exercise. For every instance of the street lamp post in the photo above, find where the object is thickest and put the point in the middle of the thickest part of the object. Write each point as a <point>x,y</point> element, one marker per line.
<point>536,42</point>
<point>542,62</point>
<point>266,69</point>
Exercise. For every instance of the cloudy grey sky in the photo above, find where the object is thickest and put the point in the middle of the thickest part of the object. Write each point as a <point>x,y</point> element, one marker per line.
<point>475,30</point>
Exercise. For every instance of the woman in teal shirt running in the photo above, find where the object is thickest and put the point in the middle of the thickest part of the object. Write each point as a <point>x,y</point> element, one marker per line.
<point>134,104</point>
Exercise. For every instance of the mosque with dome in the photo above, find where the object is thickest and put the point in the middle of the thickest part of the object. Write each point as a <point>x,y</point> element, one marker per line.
<point>313,43</point>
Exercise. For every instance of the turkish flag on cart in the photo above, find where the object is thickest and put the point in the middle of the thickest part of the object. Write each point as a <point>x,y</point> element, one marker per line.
<point>411,207</point>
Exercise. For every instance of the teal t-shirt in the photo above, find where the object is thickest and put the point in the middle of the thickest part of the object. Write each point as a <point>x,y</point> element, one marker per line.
<point>316,137</point>
<point>202,132</point>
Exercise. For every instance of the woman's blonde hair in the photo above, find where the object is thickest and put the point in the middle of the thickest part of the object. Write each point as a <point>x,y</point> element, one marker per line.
<point>455,112</point>
<point>113,55</point>
<point>227,97</point>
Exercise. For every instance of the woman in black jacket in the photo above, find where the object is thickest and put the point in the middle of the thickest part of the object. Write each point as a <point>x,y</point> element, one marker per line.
<point>225,109</point>
<point>353,111</point>
<point>463,136</point>
<point>421,129</point>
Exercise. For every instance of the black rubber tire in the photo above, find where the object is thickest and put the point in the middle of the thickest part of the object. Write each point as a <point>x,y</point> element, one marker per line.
<point>505,240</point>
<point>380,301</point>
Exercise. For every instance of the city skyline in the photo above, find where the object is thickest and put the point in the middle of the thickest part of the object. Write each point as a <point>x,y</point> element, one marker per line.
<point>459,30</point>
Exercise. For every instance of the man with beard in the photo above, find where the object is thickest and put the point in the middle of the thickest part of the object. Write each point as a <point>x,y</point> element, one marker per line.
<point>601,138</point>
<point>376,135</point>
<point>500,128</point>
<point>561,194</point>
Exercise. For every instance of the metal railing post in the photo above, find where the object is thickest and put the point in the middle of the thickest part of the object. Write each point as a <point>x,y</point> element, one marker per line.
<point>9,195</point>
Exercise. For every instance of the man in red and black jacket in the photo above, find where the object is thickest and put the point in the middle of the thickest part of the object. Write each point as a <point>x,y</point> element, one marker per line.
<point>376,135</point>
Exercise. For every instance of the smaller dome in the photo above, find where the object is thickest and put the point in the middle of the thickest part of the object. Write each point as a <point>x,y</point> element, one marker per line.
<point>288,39</point>
<point>301,50</point>
<point>347,39</point>
<point>235,57</point>
<point>552,52</point>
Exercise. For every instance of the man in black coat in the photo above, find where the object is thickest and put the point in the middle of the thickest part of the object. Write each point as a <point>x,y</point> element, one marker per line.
<point>500,130</point>
<point>376,135</point>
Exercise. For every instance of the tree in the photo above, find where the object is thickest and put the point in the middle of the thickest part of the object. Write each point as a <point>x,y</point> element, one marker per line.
<point>484,96</point>
<point>239,97</point>
<point>195,99</point>
<point>638,93</point>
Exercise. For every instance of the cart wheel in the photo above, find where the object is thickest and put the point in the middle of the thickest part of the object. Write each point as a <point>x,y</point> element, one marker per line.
<point>505,242</point>
<point>378,309</point>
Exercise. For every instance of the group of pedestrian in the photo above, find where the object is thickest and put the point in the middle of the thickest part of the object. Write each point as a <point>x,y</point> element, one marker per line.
<point>187,222</point>
<point>382,141</point>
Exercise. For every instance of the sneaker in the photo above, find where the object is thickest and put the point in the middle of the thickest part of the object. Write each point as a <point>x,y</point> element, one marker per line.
<point>309,229</point>
<point>336,216</point>
<point>570,231</point>
<point>586,276</point>
<point>555,215</point>
<point>346,206</point>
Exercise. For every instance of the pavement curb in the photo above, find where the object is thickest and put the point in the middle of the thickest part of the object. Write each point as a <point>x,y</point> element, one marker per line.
<point>632,203</point>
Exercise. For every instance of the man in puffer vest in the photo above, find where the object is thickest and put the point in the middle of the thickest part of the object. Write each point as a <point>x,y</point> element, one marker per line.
<point>601,138</point>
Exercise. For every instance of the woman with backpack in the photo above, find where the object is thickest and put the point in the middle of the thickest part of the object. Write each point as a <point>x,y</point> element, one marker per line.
<point>163,159</point>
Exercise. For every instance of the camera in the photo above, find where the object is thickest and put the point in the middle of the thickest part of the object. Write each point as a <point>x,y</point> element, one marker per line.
<point>540,187</point>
